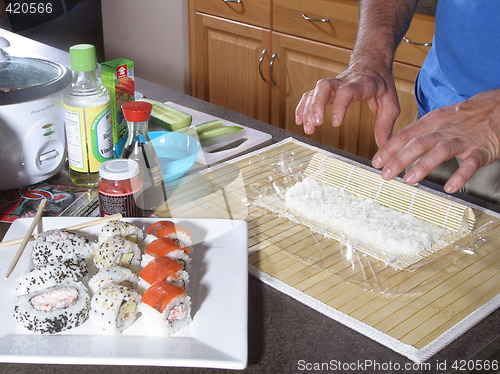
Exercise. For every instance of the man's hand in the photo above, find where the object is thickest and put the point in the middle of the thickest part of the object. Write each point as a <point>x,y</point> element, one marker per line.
<point>366,79</point>
<point>469,130</point>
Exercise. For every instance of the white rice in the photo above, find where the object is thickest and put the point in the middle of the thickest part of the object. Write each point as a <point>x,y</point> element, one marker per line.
<point>51,275</point>
<point>160,321</point>
<point>54,309</point>
<point>112,252</point>
<point>55,246</point>
<point>362,220</point>
<point>114,307</point>
<point>114,274</point>
<point>123,229</point>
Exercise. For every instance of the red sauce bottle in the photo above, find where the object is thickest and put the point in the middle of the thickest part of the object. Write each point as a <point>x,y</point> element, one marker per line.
<point>119,188</point>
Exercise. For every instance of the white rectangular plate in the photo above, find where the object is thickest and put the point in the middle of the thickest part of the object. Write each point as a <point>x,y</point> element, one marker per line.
<point>218,287</point>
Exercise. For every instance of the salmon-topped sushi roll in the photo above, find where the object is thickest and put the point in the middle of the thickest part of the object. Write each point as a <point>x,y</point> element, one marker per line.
<point>164,269</point>
<point>162,229</point>
<point>169,304</point>
<point>166,247</point>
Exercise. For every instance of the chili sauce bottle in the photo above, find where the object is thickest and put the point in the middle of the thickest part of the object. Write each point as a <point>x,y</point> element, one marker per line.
<point>119,188</point>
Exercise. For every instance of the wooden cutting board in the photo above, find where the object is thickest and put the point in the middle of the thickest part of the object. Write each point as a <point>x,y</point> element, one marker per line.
<point>419,311</point>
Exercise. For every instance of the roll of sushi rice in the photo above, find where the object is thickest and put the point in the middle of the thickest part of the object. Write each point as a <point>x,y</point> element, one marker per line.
<point>55,246</point>
<point>51,275</point>
<point>115,274</point>
<point>54,309</point>
<point>114,307</point>
<point>117,251</point>
<point>123,229</point>
<point>168,306</point>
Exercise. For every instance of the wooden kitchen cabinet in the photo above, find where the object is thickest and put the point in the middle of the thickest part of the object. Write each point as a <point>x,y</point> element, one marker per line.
<point>225,70</point>
<point>259,68</point>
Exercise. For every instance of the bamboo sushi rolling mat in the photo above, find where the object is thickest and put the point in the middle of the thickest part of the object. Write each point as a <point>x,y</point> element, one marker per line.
<point>418,313</point>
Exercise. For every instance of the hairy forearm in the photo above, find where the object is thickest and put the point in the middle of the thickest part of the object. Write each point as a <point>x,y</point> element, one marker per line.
<point>382,24</point>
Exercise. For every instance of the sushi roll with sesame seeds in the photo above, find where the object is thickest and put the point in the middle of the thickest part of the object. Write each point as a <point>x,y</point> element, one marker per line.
<point>55,246</point>
<point>117,251</point>
<point>123,229</point>
<point>115,274</point>
<point>114,307</point>
<point>51,275</point>
<point>54,309</point>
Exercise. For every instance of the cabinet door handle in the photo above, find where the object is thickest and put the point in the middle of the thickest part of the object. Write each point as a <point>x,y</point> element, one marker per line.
<point>416,43</point>
<point>315,19</point>
<point>233,1</point>
<point>271,64</point>
<point>264,51</point>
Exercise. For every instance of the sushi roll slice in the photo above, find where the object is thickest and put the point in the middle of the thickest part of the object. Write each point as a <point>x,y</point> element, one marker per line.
<point>168,304</point>
<point>55,246</point>
<point>117,251</point>
<point>123,229</point>
<point>114,307</point>
<point>164,269</point>
<point>162,229</point>
<point>51,275</point>
<point>54,309</point>
<point>115,274</point>
<point>166,247</point>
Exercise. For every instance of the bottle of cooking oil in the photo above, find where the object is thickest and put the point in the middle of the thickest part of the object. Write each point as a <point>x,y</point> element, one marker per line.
<point>138,147</point>
<point>89,134</point>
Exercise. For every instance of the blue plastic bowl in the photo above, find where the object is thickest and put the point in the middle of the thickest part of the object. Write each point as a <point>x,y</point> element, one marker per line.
<point>176,151</point>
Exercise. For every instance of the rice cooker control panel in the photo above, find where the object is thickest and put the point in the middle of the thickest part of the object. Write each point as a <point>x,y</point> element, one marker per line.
<point>33,142</point>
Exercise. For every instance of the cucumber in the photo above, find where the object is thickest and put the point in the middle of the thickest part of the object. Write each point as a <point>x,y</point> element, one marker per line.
<point>209,125</point>
<point>169,118</point>
<point>195,131</point>
<point>218,134</point>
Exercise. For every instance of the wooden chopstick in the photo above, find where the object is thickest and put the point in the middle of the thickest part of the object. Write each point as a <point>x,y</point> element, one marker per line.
<point>26,238</point>
<point>113,217</point>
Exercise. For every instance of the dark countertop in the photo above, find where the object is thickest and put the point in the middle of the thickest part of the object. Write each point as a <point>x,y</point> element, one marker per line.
<point>427,7</point>
<point>281,330</point>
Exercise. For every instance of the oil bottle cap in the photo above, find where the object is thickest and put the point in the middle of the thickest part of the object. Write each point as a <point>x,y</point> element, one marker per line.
<point>137,111</point>
<point>119,169</point>
<point>83,57</point>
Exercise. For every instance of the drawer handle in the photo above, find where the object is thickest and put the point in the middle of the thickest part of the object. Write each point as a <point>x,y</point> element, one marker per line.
<point>416,43</point>
<point>271,64</point>
<point>233,1</point>
<point>264,51</point>
<point>315,19</point>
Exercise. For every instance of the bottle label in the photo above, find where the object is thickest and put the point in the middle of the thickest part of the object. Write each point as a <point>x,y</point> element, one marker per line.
<point>89,136</point>
<point>125,204</point>
<point>156,172</point>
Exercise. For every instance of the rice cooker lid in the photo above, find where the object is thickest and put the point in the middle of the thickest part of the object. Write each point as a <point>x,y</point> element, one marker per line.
<point>24,79</point>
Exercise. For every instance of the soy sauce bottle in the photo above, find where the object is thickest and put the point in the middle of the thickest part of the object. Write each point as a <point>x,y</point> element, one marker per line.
<point>138,147</point>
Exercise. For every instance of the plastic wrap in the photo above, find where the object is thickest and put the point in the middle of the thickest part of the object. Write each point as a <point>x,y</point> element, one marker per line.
<point>341,255</point>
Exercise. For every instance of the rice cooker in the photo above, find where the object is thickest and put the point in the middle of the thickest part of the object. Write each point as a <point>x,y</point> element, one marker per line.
<point>32,136</point>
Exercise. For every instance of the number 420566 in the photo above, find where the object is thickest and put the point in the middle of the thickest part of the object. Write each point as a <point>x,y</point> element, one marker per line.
<point>28,8</point>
